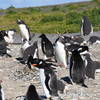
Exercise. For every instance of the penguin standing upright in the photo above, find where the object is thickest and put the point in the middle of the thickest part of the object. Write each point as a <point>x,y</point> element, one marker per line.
<point>48,77</point>
<point>86,27</point>
<point>24,30</point>
<point>1,92</point>
<point>77,68</point>
<point>3,44</point>
<point>32,93</point>
<point>60,52</point>
<point>47,46</point>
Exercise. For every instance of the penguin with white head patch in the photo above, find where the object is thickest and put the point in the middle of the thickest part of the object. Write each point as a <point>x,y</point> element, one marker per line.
<point>60,52</point>
<point>1,92</point>
<point>77,67</point>
<point>24,30</point>
<point>47,47</point>
<point>86,27</point>
<point>32,93</point>
<point>48,77</point>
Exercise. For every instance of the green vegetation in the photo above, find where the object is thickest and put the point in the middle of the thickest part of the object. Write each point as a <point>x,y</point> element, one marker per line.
<point>52,19</point>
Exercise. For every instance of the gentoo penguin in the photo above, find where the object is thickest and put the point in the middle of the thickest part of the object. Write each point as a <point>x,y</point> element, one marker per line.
<point>77,68</point>
<point>48,77</point>
<point>1,92</point>
<point>77,39</point>
<point>47,46</point>
<point>94,40</point>
<point>24,30</point>
<point>86,27</point>
<point>3,44</point>
<point>91,67</point>
<point>60,52</point>
<point>78,47</point>
<point>9,38</point>
<point>28,50</point>
<point>2,34</point>
<point>32,93</point>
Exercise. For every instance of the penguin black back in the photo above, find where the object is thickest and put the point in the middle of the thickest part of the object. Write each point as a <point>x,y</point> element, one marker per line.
<point>94,39</point>
<point>86,26</point>
<point>2,34</point>
<point>47,46</point>
<point>32,93</point>
<point>31,50</point>
<point>77,68</point>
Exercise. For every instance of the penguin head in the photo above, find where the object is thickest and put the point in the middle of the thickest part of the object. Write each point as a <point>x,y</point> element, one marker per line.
<point>39,63</point>
<point>3,33</point>
<point>31,88</point>
<point>42,36</point>
<point>20,22</point>
<point>83,50</point>
<point>32,93</point>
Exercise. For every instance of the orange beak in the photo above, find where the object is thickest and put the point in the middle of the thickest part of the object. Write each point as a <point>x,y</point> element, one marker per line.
<point>34,65</point>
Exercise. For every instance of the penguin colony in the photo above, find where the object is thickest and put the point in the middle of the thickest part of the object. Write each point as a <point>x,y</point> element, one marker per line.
<point>70,52</point>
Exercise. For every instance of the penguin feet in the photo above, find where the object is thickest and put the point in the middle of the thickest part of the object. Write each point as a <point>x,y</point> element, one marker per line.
<point>48,98</point>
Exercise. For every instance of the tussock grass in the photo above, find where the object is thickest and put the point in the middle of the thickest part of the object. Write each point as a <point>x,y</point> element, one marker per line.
<point>52,19</point>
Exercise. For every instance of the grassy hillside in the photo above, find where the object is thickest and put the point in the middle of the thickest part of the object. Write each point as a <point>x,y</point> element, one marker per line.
<point>52,19</point>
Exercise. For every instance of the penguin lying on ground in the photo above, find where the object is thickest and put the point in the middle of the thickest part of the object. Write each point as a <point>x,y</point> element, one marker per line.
<point>77,39</point>
<point>47,46</point>
<point>48,77</point>
<point>1,92</point>
<point>94,40</point>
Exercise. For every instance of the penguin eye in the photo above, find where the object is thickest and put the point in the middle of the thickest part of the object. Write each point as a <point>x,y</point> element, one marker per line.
<point>40,62</point>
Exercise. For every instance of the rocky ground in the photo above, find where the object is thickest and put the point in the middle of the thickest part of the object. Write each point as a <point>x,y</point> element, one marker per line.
<point>17,77</point>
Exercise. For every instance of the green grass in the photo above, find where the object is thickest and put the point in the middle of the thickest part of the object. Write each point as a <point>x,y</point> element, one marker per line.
<point>52,19</point>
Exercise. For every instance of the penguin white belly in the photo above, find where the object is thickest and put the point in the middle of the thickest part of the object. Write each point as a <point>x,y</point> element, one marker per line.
<point>42,79</point>
<point>3,98</point>
<point>60,54</point>
<point>97,42</point>
<point>24,31</point>
<point>35,54</point>
<point>8,39</point>
<point>25,46</point>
